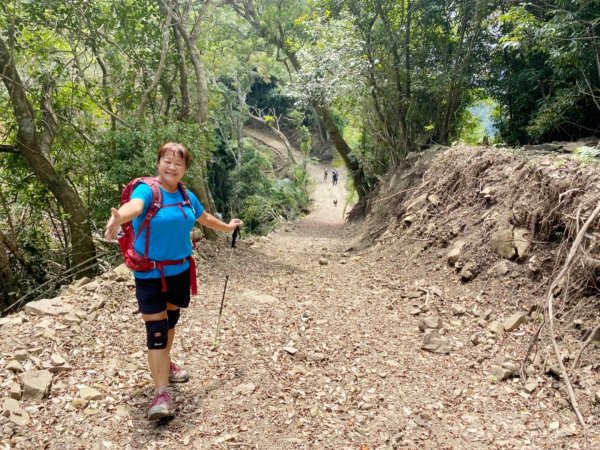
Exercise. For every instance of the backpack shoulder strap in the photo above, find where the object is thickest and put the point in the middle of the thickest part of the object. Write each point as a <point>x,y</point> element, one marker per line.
<point>185,196</point>
<point>153,207</point>
<point>184,193</point>
<point>152,184</point>
<point>157,200</point>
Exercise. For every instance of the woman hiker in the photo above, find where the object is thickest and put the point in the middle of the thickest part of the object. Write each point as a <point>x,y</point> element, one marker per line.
<point>169,241</point>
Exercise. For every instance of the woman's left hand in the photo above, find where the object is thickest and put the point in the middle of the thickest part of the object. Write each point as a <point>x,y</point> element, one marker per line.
<point>235,223</point>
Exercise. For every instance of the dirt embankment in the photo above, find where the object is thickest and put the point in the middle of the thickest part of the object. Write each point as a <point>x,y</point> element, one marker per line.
<point>337,336</point>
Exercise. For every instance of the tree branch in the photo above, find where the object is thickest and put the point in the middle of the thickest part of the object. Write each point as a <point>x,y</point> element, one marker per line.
<point>591,337</point>
<point>49,120</point>
<point>161,67</point>
<point>8,148</point>
<point>88,91</point>
<point>258,117</point>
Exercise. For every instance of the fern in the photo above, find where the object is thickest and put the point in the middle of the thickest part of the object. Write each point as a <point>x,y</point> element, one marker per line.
<point>588,152</point>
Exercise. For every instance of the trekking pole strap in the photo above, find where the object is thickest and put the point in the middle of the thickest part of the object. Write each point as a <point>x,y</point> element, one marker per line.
<point>236,233</point>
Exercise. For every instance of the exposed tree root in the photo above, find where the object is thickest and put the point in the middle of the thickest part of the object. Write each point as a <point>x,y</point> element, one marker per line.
<point>549,319</point>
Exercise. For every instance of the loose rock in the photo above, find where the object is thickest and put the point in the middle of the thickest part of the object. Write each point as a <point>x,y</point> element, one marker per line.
<point>14,413</point>
<point>429,322</point>
<point>36,384</point>
<point>514,321</point>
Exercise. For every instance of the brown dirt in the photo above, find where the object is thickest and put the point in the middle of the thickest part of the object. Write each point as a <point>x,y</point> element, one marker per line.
<point>345,298</point>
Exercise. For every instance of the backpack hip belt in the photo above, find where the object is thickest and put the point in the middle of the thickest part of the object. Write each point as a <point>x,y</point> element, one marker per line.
<point>161,264</point>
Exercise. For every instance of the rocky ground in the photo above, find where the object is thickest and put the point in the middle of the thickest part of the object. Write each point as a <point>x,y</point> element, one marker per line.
<point>379,335</point>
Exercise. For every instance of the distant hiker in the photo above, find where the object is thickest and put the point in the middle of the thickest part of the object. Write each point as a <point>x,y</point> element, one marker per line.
<point>164,240</point>
<point>334,177</point>
<point>325,175</point>
<point>335,202</point>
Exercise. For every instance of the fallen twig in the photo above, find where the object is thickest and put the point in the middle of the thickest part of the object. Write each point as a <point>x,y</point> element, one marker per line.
<point>585,344</point>
<point>523,368</point>
<point>67,274</point>
<point>402,192</point>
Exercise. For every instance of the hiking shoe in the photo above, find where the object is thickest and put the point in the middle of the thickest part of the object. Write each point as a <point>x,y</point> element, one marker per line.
<point>177,375</point>
<point>161,406</point>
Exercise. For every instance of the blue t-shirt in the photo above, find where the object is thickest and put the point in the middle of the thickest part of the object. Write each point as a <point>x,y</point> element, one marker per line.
<point>169,230</point>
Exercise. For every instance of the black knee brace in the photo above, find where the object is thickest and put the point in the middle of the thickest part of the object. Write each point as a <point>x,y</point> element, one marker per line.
<point>157,334</point>
<point>173,315</point>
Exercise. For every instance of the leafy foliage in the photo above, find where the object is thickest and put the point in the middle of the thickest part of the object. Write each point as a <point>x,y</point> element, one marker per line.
<point>544,73</point>
<point>261,199</point>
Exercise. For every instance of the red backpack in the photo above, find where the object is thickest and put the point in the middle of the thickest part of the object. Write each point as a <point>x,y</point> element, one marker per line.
<point>127,238</point>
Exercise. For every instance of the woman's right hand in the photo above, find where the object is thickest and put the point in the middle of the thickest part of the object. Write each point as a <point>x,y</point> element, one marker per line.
<point>113,225</point>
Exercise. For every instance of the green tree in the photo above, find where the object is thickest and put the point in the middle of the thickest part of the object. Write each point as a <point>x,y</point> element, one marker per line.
<point>277,23</point>
<point>33,141</point>
<point>545,74</point>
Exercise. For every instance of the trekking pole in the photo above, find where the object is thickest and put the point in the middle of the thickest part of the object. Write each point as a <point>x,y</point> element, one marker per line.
<point>236,233</point>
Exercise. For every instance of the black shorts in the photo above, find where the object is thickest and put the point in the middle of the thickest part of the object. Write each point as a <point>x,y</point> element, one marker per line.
<point>152,300</point>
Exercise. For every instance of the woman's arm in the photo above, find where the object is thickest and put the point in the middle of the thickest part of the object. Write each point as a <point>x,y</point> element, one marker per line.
<point>125,213</point>
<point>210,221</point>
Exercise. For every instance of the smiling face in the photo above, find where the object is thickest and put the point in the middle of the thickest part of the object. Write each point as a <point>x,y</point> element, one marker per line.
<point>172,163</point>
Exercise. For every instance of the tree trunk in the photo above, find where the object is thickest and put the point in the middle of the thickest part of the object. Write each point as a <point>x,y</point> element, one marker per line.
<point>8,283</point>
<point>159,71</point>
<point>470,30</point>
<point>399,141</point>
<point>105,88</point>
<point>184,113</point>
<point>407,67</point>
<point>201,81</point>
<point>238,123</point>
<point>10,241</point>
<point>356,171</point>
<point>200,185</point>
<point>83,252</point>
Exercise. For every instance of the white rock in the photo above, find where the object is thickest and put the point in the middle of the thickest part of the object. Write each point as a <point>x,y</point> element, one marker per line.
<point>57,360</point>
<point>14,413</point>
<point>15,391</point>
<point>454,254</point>
<point>496,327</point>
<point>514,321</point>
<point>36,384</point>
<point>20,355</point>
<point>48,307</point>
<point>458,310</point>
<point>245,389</point>
<point>15,366</point>
<point>88,393</point>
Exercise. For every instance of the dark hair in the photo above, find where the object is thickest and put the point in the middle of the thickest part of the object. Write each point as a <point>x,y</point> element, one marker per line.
<point>177,148</point>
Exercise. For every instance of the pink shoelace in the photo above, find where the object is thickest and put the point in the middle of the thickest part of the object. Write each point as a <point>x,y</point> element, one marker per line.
<point>160,398</point>
<point>174,369</point>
